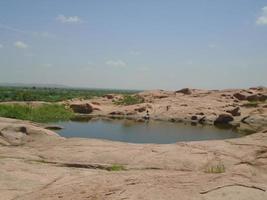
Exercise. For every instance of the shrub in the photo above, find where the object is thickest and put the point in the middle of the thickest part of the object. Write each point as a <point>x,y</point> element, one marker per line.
<point>251,104</point>
<point>129,100</point>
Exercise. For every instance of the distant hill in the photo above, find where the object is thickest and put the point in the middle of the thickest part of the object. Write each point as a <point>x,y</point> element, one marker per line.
<point>33,85</point>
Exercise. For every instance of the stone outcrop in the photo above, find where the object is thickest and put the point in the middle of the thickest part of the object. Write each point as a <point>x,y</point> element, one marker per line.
<point>240,96</point>
<point>223,119</point>
<point>257,97</point>
<point>206,105</point>
<point>186,91</point>
<point>83,108</point>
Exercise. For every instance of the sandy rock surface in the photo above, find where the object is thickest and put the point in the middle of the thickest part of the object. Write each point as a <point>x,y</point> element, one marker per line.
<point>36,163</point>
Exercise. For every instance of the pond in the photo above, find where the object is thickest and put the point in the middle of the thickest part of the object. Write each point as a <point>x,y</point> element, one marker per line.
<point>142,132</point>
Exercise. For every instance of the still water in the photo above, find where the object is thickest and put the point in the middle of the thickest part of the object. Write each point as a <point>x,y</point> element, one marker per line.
<point>142,132</point>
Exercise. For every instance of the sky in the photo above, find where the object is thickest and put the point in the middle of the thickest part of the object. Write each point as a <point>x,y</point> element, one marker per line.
<point>134,44</point>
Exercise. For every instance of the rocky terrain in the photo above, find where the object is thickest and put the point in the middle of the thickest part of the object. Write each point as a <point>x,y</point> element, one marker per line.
<point>36,163</point>
<point>245,109</point>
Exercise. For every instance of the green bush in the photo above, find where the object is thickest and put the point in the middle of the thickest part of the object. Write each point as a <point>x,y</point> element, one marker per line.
<point>52,94</point>
<point>129,100</point>
<point>43,113</point>
<point>251,104</point>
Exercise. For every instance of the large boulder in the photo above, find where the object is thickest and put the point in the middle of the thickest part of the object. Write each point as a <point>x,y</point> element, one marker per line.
<point>224,118</point>
<point>186,91</point>
<point>240,96</point>
<point>14,133</point>
<point>257,97</point>
<point>82,108</point>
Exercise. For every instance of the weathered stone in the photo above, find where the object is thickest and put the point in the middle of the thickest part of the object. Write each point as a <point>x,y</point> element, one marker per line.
<point>234,112</point>
<point>223,119</point>
<point>83,108</point>
<point>200,113</point>
<point>194,117</point>
<point>240,96</point>
<point>116,113</point>
<point>186,91</point>
<point>109,96</point>
<point>140,109</point>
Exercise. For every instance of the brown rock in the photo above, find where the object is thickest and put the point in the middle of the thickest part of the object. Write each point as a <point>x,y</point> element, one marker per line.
<point>194,117</point>
<point>140,109</point>
<point>240,96</point>
<point>83,108</point>
<point>186,91</point>
<point>235,111</point>
<point>109,96</point>
<point>116,113</point>
<point>257,97</point>
<point>96,103</point>
<point>223,119</point>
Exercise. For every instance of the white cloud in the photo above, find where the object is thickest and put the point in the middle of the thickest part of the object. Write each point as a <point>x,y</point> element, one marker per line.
<point>20,45</point>
<point>262,20</point>
<point>116,63</point>
<point>26,32</point>
<point>69,20</point>
<point>1,46</point>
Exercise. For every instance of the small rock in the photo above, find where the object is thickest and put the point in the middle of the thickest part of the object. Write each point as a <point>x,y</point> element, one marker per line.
<point>223,119</point>
<point>116,113</point>
<point>235,111</point>
<point>202,120</point>
<point>194,117</point>
<point>140,109</point>
<point>95,103</point>
<point>109,96</point>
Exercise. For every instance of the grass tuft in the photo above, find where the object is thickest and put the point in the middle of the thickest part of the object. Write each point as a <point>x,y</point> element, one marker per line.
<point>116,167</point>
<point>215,169</point>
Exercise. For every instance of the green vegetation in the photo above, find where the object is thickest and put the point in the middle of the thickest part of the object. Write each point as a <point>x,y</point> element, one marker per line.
<point>220,168</point>
<point>251,104</point>
<point>116,167</point>
<point>52,94</point>
<point>43,113</point>
<point>129,100</point>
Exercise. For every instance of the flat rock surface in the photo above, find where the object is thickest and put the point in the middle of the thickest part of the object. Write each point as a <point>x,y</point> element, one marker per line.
<point>51,167</point>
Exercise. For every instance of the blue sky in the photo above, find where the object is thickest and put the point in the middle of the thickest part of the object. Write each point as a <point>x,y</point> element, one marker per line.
<point>134,44</point>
